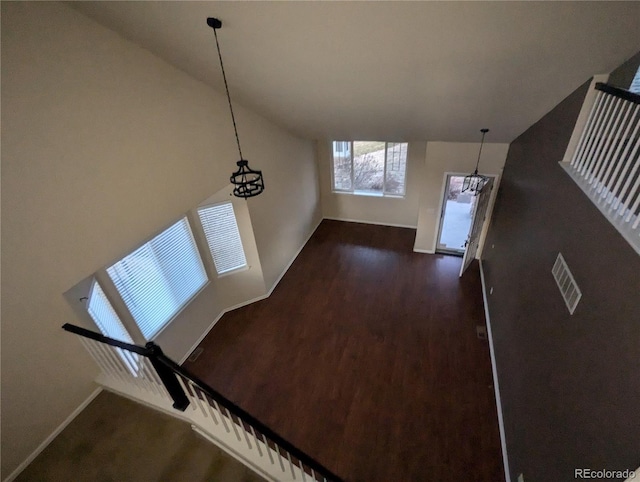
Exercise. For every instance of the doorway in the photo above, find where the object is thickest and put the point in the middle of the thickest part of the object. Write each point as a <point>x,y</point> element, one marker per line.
<point>456,218</point>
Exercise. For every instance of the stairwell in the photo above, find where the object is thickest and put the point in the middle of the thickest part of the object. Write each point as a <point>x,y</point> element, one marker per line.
<point>116,439</point>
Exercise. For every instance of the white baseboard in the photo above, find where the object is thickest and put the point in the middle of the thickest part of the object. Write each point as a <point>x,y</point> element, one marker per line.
<point>217,318</point>
<point>52,436</point>
<point>84,404</point>
<point>424,251</point>
<point>284,271</point>
<point>393,225</point>
<point>277,281</point>
<point>248,302</point>
<point>496,386</point>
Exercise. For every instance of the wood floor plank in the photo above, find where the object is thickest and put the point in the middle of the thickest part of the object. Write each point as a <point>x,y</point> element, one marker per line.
<point>366,357</point>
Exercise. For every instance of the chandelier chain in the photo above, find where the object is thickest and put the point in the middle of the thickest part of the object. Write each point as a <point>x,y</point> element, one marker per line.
<point>226,86</point>
<point>484,131</point>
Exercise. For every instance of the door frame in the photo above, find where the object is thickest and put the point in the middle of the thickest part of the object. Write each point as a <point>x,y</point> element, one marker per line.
<point>473,238</point>
<point>496,184</point>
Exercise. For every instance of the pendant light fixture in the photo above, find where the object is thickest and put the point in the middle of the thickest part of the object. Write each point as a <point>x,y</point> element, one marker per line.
<point>247,182</point>
<point>474,182</point>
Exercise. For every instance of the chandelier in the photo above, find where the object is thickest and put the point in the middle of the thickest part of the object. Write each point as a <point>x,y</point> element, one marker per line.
<point>474,182</point>
<point>247,182</point>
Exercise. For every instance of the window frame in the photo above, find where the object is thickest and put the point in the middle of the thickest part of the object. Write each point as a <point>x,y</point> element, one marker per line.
<point>355,192</point>
<point>208,247</point>
<point>634,86</point>
<point>130,360</point>
<point>197,251</point>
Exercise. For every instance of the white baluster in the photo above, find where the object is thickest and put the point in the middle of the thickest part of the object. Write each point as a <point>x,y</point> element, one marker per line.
<point>606,139</point>
<point>211,410</point>
<point>627,193</point>
<point>596,137</point>
<point>255,439</point>
<point>279,457</point>
<point>266,443</point>
<point>222,417</point>
<point>587,134</point>
<point>608,160</point>
<point>633,111</point>
<point>195,397</point>
<point>293,474</point>
<point>104,368</point>
<point>628,162</point>
<point>115,370</point>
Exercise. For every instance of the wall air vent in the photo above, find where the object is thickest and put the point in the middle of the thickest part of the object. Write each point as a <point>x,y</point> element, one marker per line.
<point>568,286</point>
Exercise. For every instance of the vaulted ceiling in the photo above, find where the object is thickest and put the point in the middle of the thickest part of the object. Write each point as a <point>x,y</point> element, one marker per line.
<point>436,71</point>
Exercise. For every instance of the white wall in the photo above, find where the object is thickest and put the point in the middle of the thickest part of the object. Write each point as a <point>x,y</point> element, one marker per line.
<point>372,209</point>
<point>103,145</point>
<point>289,210</point>
<point>427,164</point>
<point>442,157</point>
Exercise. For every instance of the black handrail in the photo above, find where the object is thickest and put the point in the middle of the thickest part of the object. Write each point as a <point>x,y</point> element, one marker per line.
<point>248,418</point>
<point>618,92</point>
<point>168,378</point>
<point>106,340</point>
<point>160,360</point>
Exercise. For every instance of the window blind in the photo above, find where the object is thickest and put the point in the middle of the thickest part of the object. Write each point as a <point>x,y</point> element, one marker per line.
<point>105,317</point>
<point>341,146</point>
<point>108,321</point>
<point>221,229</point>
<point>158,279</point>
<point>635,83</point>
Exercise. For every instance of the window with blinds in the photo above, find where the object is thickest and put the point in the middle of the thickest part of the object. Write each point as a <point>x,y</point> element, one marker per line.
<point>108,322</point>
<point>221,229</point>
<point>160,277</point>
<point>104,316</point>
<point>635,83</point>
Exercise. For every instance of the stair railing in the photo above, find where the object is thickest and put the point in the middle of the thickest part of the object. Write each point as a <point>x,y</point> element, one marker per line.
<point>147,375</point>
<point>605,162</point>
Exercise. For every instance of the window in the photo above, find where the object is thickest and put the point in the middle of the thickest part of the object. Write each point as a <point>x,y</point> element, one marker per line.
<point>221,229</point>
<point>108,321</point>
<point>635,83</point>
<point>105,316</point>
<point>370,167</point>
<point>159,278</point>
<point>341,147</point>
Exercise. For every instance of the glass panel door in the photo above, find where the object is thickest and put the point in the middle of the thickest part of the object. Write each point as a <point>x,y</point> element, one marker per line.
<point>455,222</point>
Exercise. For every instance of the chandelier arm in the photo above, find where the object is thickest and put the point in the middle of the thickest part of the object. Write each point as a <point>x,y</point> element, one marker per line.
<point>226,86</point>
<point>484,131</point>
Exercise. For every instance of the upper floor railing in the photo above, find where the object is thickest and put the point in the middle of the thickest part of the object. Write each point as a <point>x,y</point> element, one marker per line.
<point>605,161</point>
<point>146,374</point>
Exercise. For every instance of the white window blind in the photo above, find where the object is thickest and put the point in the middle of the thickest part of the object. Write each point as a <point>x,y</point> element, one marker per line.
<point>105,317</point>
<point>158,279</point>
<point>635,83</point>
<point>341,146</point>
<point>221,229</point>
<point>108,321</point>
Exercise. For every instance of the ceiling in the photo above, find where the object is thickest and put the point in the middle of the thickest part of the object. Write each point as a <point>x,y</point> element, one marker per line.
<point>436,71</point>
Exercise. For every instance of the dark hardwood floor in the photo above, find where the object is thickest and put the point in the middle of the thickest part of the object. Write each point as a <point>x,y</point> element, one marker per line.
<point>366,357</point>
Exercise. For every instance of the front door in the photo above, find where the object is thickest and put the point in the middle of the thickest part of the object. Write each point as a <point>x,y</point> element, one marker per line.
<point>457,214</point>
<point>479,215</point>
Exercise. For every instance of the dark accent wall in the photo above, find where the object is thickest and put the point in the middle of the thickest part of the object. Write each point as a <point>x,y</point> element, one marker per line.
<point>569,384</point>
<point>623,75</point>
